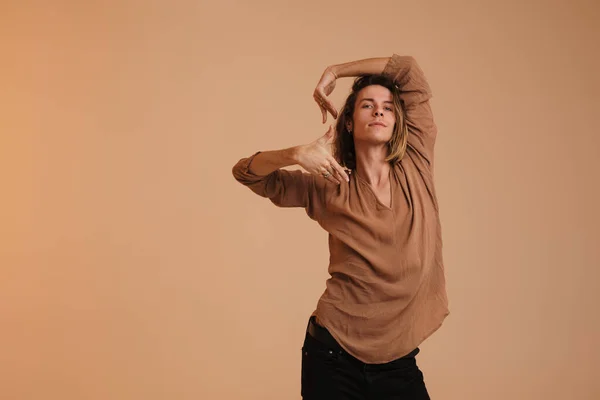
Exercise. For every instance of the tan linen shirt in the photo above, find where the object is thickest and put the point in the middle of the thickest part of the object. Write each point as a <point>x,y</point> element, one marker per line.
<point>387,290</point>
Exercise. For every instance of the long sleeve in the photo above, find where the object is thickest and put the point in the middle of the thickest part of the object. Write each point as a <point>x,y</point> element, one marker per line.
<point>284,188</point>
<point>415,93</point>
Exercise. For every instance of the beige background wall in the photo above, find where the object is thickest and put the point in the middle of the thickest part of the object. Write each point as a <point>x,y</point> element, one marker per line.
<point>133,266</point>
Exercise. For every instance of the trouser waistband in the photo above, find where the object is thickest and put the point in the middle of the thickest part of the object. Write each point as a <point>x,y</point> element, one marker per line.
<point>321,334</point>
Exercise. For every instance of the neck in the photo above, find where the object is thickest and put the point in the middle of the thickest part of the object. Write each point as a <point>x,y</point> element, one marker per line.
<point>371,165</point>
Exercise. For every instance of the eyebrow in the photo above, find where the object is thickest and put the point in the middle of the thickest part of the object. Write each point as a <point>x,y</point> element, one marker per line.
<point>373,100</point>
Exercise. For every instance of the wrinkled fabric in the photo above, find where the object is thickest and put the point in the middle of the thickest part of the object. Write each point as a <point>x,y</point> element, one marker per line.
<point>387,290</point>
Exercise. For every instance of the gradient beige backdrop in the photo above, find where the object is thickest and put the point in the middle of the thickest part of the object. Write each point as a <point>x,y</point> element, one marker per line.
<point>133,266</point>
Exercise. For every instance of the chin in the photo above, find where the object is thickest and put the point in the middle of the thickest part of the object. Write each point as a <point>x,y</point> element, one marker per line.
<point>374,139</point>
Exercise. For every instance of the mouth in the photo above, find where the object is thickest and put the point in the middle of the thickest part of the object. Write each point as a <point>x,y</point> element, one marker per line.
<point>377,124</point>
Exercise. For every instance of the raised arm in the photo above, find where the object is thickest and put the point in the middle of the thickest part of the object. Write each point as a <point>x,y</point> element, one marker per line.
<point>265,162</point>
<point>368,66</point>
<point>408,75</point>
<point>263,173</point>
<point>414,92</point>
<point>404,70</point>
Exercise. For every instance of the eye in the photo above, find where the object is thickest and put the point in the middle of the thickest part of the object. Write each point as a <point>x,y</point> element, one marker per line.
<point>366,105</point>
<point>389,108</point>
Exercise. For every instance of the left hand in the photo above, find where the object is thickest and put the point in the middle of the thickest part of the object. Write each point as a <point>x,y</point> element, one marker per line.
<point>324,89</point>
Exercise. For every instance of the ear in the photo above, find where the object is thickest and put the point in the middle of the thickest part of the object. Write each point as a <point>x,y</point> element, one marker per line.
<point>349,126</point>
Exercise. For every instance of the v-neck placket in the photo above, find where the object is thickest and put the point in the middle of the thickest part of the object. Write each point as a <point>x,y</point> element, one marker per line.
<point>378,202</point>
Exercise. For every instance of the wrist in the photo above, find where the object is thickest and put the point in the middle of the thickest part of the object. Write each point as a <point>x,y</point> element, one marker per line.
<point>294,154</point>
<point>334,69</point>
<point>367,66</point>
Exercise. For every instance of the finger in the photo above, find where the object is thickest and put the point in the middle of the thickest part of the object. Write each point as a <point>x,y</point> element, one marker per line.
<point>324,102</point>
<point>327,174</point>
<point>329,134</point>
<point>320,104</point>
<point>326,136</point>
<point>331,178</point>
<point>335,173</point>
<point>331,139</point>
<point>330,108</point>
<point>324,139</point>
<point>334,112</point>
<point>323,105</point>
<point>339,170</point>
<point>317,98</point>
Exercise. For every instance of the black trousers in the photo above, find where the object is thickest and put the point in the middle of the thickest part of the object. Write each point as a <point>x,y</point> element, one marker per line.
<point>330,373</point>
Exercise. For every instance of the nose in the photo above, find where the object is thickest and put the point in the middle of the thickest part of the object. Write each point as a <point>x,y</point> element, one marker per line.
<point>379,113</point>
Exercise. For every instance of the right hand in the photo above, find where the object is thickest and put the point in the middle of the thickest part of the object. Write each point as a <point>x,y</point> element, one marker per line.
<point>323,90</point>
<point>316,158</point>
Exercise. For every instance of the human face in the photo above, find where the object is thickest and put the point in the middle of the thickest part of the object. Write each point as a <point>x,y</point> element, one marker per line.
<point>374,117</point>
